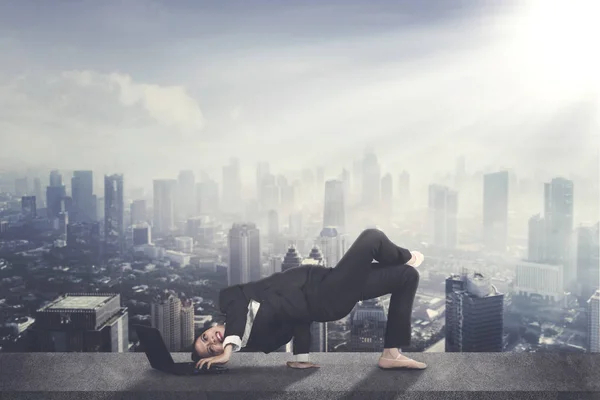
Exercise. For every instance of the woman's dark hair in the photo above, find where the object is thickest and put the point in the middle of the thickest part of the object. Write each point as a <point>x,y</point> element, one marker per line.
<point>195,356</point>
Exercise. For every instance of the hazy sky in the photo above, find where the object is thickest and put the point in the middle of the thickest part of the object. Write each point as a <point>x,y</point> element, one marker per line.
<point>151,87</point>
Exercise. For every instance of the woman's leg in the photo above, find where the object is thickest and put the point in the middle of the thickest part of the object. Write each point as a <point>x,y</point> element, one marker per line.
<point>401,281</point>
<point>341,289</point>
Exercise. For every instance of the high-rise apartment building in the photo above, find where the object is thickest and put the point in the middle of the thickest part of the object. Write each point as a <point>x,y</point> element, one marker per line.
<point>495,211</point>
<point>334,205</point>
<point>443,211</point>
<point>186,196</point>
<point>594,323</point>
<point>474,314</point>
<point>82,192</point>
<point>367,326</point>
<point>114,208</point>
<point>174,319</point>
<point>164,205</point>
<point>244,254</point>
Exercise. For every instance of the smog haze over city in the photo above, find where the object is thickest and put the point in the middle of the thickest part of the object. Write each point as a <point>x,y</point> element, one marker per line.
<point>160,147</point>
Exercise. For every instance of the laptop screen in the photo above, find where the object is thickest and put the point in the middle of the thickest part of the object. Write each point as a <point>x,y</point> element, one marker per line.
<point>153,345</point>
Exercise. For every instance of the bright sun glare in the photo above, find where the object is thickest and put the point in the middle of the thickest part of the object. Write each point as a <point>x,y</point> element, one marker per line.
<point>560,38</point>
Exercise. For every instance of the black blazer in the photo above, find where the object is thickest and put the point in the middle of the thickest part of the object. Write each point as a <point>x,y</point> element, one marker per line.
<point>282,315</point>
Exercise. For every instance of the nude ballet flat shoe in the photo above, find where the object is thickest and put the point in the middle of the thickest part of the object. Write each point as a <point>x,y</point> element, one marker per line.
<point>400,363</point>
<point>416,260</point>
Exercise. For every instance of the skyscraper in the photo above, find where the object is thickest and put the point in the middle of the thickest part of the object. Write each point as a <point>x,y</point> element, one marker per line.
<point>138,212</point>
<point>588,259</point>
<point>82,323</point>
<point>291,259</point>
<point>558,213</point>
<point>387,196</point>
<point>82,188</point>
<point>54,195</point>
<point>594,323</point>
<point>174,318</point>
<point>114,207</point>
<point>207,195</point>
<point>443,210</point>
<point>495,210</point>
<point>262,171</point>
<point>367,326</point>
<point>334,205</point>
<point>164,205</point>
<point>537,239</point>
<point>333,245</point>
<point>37,192</point>
<point>21,187</point>
<point>186,195</point>
<point>232,187</point>
<point>28,206</point>
<point>244,254</point>
<point>474,314</point>
<point>371,181</point>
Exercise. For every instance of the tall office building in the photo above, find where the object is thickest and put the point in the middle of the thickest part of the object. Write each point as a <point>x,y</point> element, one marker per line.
<point>141,234</point>
<point>273,223</point>
<point>495,210</point>
<point>371,181</point>
<point>21,187</point>
<point>82,192</point>
<point>367,326</point>
<point>291,259</point>
<point>539,281</point>
<point>37,192</point>
<point>588,259</point>
<point>186,195</point>
<point>460,174</point>
<point>244,254</point>
<point>28,206</point>
<point>594,323</point>
<point>443,211</point>
<point>357,169</point>
<point>474,314</point>
<point>138,212</point>
<point>558,214</point>
<point>334,205</point>
<point>318,330</point>
<point>187,324</point>
<point>387,196</point>
<point>114,213</point>
<point>207,196</point>
<point>263,170</point>
<point>174,319</point>
<point>55,193</point>
<point>536,239</point>
<point>164,205</point>
<point>232,187</point>
<point>333,245</point>
<point>82,323</point>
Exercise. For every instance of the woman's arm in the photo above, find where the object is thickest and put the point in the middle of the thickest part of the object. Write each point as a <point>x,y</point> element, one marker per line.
<point>240,313</point>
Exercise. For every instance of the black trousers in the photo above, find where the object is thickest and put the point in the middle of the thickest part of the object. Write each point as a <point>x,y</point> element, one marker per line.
<point>356,277</point>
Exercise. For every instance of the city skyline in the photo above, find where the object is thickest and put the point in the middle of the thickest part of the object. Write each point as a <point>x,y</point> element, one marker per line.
<point>409,80</point>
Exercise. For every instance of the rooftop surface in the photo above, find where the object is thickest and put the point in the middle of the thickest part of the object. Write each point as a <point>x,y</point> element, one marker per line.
<point>82,302</point>
<point>342,376</point>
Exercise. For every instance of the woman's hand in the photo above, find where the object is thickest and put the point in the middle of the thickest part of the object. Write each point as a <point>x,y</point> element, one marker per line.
<point>220,359</point>
<point>301,365</point>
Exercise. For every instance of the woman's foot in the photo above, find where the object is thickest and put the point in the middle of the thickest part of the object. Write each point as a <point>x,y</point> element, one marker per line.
<point>394,360</point>
<point>416,259</point>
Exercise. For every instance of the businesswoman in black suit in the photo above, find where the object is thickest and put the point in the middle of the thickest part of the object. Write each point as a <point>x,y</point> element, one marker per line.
<point>266,314</point>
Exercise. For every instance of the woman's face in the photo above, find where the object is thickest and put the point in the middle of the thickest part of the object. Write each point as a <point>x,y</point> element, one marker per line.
<point>210,343</point>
